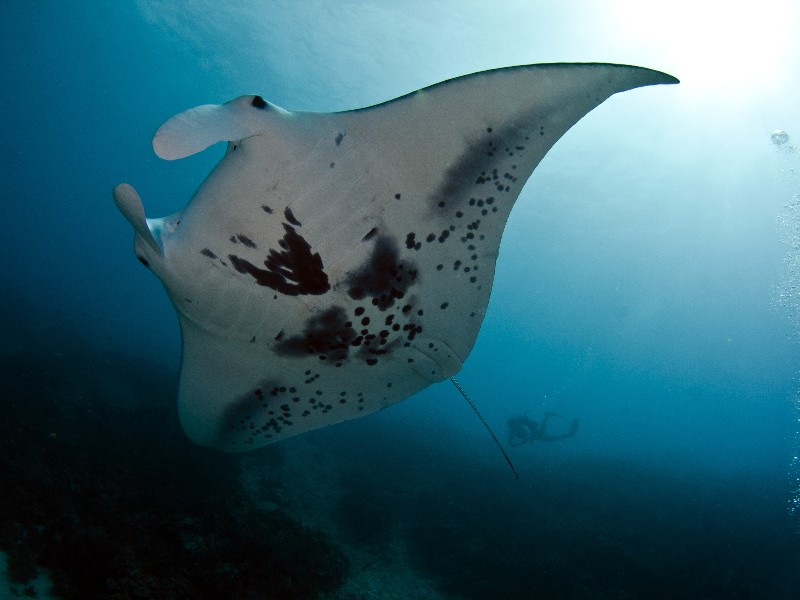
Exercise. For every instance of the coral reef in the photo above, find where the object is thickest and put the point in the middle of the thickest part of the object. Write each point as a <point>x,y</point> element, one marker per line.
<point>101,487</point>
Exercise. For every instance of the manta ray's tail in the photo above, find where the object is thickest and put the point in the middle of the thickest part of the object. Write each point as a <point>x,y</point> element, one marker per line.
<point>489,429</point>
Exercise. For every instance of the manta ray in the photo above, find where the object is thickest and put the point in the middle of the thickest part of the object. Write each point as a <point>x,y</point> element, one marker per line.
<point>333,264</point>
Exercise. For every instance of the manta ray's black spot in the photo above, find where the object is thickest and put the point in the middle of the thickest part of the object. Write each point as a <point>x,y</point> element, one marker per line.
<point>474,165</point>
<point>246,241</point>
<point>294,271</point>
<point>339,138</point>
<point>258,102</point>
<point>266,209</point>
<point>397,196</point>
<point>208,253</point>
<point>444,305</point>
<point>239,415</point>
<point>412,330</point>
<point>411,243</point>
<point>291,218</point>
<point>383,277</point>
<point>325,334</point>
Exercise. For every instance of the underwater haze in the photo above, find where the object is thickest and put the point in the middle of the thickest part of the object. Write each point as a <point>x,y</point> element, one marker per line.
<point>648,284</point>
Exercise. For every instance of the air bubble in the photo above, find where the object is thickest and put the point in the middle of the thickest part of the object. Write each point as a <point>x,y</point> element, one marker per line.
<point>779,137</point>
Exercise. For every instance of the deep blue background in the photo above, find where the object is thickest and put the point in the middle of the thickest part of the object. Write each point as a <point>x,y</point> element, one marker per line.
<point>640,277</point>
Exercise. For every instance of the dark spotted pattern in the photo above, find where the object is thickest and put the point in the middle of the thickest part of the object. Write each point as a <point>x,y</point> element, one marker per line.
<point>265,411</point>
<point>461,203</point>
<point>480,164</point>
<point>273,406</point>
<point>335,337</point>
<point>293,271</point>
<point>327,335</point>
<point>339,138</point>
<point>384,277</point>
<point>386,316</point>
<point>208,253</point>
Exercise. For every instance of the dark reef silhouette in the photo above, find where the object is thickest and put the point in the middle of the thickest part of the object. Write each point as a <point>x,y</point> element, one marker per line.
<point>100,486</point>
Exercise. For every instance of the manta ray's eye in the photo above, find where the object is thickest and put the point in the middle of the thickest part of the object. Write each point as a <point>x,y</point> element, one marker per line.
<point>259,102</point>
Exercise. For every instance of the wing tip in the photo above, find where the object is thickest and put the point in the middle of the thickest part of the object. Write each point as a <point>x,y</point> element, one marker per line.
<point>649,76</point>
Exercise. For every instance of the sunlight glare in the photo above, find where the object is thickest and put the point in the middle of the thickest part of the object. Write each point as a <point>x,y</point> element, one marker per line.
<point>716,45</point>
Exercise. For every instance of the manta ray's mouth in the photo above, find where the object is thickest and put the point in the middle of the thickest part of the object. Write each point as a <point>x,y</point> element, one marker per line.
<point>156,228</point>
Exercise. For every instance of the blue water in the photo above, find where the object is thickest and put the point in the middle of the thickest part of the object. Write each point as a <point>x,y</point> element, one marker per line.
<point>638,288</point>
